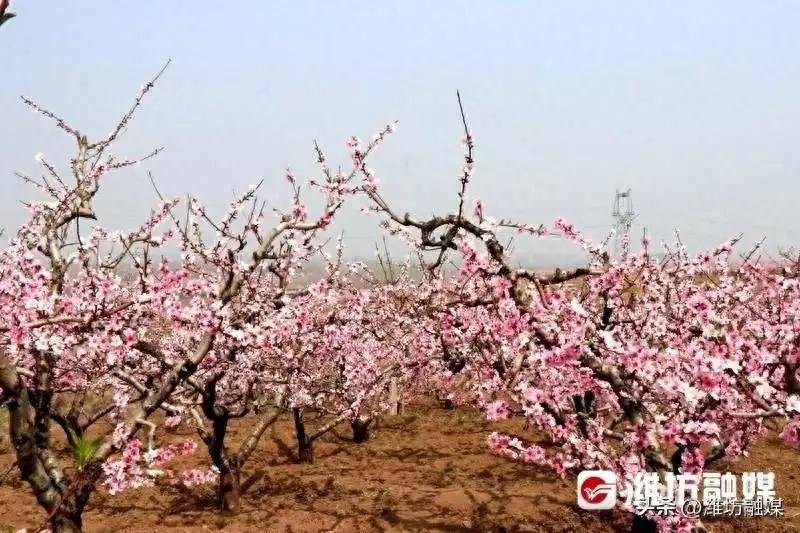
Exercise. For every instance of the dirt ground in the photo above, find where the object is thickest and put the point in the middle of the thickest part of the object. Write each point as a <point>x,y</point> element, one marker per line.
<point>428,470</point>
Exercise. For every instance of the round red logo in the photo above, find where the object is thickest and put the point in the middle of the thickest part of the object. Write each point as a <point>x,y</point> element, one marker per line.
<point>590,492</point>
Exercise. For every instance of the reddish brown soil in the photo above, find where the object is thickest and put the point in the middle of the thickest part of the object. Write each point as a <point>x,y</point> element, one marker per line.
<point>425,471</point>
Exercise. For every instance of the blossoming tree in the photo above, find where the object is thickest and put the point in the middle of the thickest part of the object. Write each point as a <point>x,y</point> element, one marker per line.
<point>79,329</point>
<point>641,365</point>
<point>353,336</point>
<point>247,371</point>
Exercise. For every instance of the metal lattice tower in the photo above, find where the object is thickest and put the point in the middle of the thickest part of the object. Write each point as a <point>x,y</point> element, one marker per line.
<point>623,218</point>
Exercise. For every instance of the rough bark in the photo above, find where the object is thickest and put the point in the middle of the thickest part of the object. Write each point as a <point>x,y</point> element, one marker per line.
<point>230,489</point>
<point>305,448</point>
<point>230,463</point>
<point>63,523</point>
<point>360,430</point>
<point>29,433</point>
<point>395,404</point>
<point>22,429</point>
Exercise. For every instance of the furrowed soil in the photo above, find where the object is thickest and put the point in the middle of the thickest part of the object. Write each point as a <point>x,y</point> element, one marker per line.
<point>428,470</point>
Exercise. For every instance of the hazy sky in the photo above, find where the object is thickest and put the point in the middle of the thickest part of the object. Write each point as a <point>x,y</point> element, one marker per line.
<point>693,105</point>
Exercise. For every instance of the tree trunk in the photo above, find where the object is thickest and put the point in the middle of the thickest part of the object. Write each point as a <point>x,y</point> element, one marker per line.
<point>37,466</point>
<point>360,430</point>
<point>305,450</point>
<point>229,466</point>
<point>229,490</point>
<point>447,404</point>
<point>66,523</point>
<point>68,515</point>
<point>395,405</point>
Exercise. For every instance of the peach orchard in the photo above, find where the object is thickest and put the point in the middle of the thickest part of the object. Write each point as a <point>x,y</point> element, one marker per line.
<point>652,364</point>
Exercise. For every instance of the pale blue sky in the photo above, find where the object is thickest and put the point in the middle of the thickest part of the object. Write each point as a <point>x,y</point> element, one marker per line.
<point>694,105</point>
